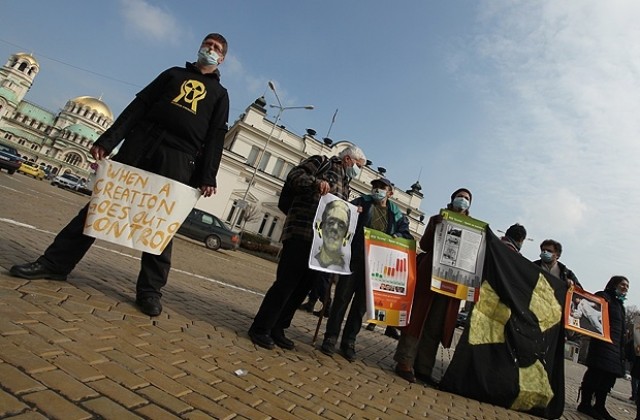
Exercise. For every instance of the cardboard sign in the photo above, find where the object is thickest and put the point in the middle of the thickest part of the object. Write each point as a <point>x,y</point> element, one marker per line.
<point>135,208</point>
<point>390,275</point>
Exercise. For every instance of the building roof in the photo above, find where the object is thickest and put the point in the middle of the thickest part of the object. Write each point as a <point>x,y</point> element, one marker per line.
<point>95,104</point>
<point>27,56</point>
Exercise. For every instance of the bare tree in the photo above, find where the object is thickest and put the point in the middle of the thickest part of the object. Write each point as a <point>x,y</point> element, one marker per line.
<point>630,313</point>
<point>249,214</point>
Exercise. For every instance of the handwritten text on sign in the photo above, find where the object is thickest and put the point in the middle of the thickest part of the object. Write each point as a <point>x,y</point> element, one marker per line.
<point>136,208</point>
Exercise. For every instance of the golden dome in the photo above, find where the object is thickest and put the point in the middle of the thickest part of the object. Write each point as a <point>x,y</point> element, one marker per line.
<point>26,56</point>
<point>95,104</point>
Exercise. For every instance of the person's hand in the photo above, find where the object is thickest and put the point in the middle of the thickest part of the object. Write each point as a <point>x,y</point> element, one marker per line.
<point>98,152</point>
<point>324,187</point>
<point>570,283</point>
<point>208,190</point>
<point>360,209</point>
<point>437,219</point>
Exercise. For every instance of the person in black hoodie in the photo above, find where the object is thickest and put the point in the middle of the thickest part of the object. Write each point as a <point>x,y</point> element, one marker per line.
<point>605,361</point>
<point>175,127</point>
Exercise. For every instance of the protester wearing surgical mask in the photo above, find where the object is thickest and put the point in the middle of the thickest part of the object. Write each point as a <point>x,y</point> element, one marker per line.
<point>605,360</point>
<point>312,178</point>
<point>550,252</point>
<point>433,315</point>
<point>375,211</point>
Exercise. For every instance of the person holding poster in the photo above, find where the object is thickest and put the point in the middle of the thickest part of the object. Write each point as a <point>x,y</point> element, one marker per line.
<point>174,127</point>
<point>605,361</point>
<point>376,212</point>
<point>294,278</point>
<point>433,315</point>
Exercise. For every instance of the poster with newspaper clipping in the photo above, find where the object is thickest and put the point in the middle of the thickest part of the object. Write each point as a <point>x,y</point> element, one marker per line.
<point>458,256</point>
<point>135,208</point>
<point>587,314</point>
<point>390,274</point>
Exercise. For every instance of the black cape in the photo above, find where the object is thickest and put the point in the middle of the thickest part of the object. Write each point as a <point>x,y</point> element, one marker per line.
<point>511,353</point>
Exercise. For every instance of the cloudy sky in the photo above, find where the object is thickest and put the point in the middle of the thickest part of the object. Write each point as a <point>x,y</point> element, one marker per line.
<point>532,105</point>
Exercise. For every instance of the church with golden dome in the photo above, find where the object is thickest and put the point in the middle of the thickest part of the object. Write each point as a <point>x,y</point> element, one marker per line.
<point>59,142</point>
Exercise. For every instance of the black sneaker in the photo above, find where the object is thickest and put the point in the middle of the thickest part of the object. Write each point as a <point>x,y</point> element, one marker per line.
<point>370,327</point>
<point>348,352</point>
<point>589,411</point>
<point>328,346</point>
<point>35,271</point>
<point>392,332</point>
<point>307,306</point>
<point>149,305</point>
<point>282,341</point>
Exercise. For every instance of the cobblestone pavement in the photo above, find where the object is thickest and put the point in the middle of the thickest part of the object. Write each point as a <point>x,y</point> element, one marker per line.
<point>80,350</point>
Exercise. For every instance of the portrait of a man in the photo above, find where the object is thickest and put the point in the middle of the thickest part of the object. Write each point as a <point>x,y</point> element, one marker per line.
<point>333,230</point>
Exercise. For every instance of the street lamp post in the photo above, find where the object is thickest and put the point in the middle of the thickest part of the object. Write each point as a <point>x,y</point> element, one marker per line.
<point>242,204</point>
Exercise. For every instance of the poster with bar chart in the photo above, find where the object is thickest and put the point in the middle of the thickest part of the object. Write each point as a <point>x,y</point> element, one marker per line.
<point>390,273</point>
<point>458,256</point>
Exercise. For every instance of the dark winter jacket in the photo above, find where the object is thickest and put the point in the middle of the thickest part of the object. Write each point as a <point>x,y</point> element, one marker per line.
<point>397,223</point>
<point>610,356</point>
<point>565,273</point>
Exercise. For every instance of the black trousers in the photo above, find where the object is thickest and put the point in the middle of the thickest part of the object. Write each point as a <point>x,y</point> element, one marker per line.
<point>294,280</point>
<point>349,290</point>
<point>598,380</point>
<point>71,244</point>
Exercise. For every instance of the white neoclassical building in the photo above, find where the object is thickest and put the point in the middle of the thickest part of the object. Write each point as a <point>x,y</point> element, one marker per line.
<point>257,156</point>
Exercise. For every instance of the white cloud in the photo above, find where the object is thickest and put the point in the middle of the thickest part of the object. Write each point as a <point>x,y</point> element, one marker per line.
<point>561,145</point>
<point>150,21</point>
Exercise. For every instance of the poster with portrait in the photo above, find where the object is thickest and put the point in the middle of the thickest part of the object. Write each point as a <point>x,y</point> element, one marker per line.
<point>587,314</point>
<point>333,228</point>
<point>135,208</point>
<point>390,277</point>
<point>458,256</point>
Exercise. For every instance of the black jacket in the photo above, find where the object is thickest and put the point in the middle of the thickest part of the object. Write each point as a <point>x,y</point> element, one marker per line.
<point>181,109</point>
<point>565,273</point>
<point>610,356</point>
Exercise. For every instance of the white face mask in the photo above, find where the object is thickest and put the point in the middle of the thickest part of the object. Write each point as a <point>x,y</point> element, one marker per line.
<point>353,171</point>
<point>460,203</point>
<point>208,58</point>
<point>378,194</point>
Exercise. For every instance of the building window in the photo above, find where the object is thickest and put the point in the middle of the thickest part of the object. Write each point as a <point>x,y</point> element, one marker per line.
<point>73,159</point>
<point>274,223</point>
<point>233,210</point>
<point>288,167</point>
<point>264,223</point>
<point>277,168</point>
<point>264,161</point>
<point>253,156</point>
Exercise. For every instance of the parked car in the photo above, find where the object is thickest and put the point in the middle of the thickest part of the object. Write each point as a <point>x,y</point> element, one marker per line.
<point>83,187</point>
<point>32,169</point>
<point>66,180</point>
<point>461,321</point>
<point>205,227</point>
<point>9,159</point>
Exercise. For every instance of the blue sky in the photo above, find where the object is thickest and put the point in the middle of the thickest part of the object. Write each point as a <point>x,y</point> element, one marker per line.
<point>532,105</point>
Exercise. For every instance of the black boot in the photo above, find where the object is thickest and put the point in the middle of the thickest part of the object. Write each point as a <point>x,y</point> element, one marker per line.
<point>599,406</point>
<point>308,305</point>
<point>586,392</point>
